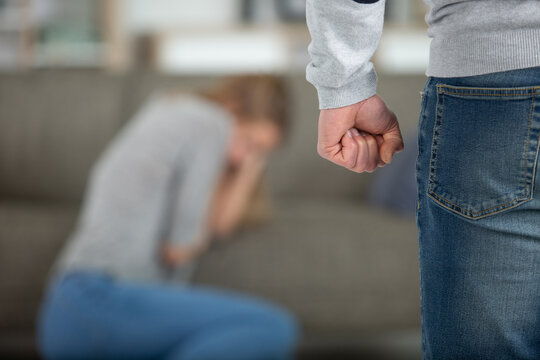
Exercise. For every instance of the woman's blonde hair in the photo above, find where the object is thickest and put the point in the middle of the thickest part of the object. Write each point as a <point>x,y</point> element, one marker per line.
<point>254,97</point>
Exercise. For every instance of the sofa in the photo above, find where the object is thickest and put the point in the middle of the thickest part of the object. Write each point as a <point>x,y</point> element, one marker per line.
<point>347,269</point>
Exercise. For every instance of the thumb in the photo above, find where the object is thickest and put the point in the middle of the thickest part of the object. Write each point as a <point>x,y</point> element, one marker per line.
<point>349,150</point>
<point>392,143</point>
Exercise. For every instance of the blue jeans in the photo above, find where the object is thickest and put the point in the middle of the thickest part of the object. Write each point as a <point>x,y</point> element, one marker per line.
<point>478,216</point>
<point>92,316</point>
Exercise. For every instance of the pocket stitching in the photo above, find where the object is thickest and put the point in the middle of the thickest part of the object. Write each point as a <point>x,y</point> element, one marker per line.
<point>527,90</point>
<point>533,175</point>
<point>528,184</point>
<point>527,144</point>
<point>474,215</point>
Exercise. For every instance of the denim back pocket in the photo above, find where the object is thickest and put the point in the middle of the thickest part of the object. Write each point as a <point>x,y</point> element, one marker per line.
<point>484,149</point>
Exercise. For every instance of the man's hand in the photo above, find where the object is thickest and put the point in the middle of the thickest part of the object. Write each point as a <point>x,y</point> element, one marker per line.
<point>361,136</point>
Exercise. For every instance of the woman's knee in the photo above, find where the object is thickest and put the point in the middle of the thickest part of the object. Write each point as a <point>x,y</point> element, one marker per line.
<point>280,326</point>
<point>241,309</point>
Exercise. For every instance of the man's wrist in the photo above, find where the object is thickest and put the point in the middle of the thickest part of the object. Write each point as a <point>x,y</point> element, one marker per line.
<point>348,94</point>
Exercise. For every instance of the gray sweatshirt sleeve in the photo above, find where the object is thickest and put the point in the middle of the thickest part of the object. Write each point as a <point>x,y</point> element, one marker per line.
<point>197,180</point>
<point>344,34</point>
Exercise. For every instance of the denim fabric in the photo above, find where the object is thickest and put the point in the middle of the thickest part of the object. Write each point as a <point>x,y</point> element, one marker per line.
<point>478,215</point>
<point>91,316</point>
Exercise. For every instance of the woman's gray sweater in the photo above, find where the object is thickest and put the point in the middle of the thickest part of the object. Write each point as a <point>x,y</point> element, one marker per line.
<point>152,185</point>
<point>469,37</point>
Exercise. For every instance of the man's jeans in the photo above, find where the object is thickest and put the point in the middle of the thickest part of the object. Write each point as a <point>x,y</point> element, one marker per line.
<point>478,216</point>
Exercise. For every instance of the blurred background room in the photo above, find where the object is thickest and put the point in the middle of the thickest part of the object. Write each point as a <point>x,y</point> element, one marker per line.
<point>342,258</point>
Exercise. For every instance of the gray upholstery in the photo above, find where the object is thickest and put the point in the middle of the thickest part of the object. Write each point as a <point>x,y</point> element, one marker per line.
<point>30,236</point>
<point>52,129</point>
<point>336,263</point>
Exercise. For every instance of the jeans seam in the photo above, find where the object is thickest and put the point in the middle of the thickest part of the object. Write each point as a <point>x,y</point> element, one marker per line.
<point>527,145</point>
<point>518,91</point>
<point>435,141</point>
<point>475,94</point>
<point>421,121</point>
<point>535,163</point>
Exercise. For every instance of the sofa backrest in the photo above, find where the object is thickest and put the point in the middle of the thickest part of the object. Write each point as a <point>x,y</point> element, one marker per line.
<point>55,123</point>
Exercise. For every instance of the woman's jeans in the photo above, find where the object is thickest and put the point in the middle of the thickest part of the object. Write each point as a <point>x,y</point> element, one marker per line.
<point>478,216</point>
<point>87,315</point>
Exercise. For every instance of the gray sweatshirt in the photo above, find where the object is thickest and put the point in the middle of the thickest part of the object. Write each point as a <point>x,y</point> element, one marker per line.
<point>152,185</point>
<point>469,37</point>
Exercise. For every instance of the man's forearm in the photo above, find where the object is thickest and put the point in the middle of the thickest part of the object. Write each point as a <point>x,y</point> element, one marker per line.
<point>345,34</point>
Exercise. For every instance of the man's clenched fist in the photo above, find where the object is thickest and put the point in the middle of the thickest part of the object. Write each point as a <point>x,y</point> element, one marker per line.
<point>361,136</point>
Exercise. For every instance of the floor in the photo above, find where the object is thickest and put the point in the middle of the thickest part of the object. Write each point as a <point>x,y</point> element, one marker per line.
<point>396,345</point>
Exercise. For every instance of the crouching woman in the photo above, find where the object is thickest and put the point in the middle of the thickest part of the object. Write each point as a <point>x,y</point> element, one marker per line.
<point>180,174</point>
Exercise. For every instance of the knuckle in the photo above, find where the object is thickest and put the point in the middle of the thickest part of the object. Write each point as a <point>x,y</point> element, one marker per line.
<point>371,140</point>
<point>360,142</point>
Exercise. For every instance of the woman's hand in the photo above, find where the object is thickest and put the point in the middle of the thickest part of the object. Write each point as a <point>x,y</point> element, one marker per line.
<point>252,167</point>
<point>234,193</point>
<point>177,255</point>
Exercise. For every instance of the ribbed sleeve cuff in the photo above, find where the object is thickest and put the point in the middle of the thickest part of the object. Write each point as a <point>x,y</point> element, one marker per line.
<point>351,93</point>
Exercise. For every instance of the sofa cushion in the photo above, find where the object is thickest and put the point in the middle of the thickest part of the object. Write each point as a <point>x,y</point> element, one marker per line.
<point>340,266</point>
<point>337,265</point>
<point>31,235</point>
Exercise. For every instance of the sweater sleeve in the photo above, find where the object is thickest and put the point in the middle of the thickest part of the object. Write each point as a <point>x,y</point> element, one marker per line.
<point>196,181</point>
<point>345,34</point>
